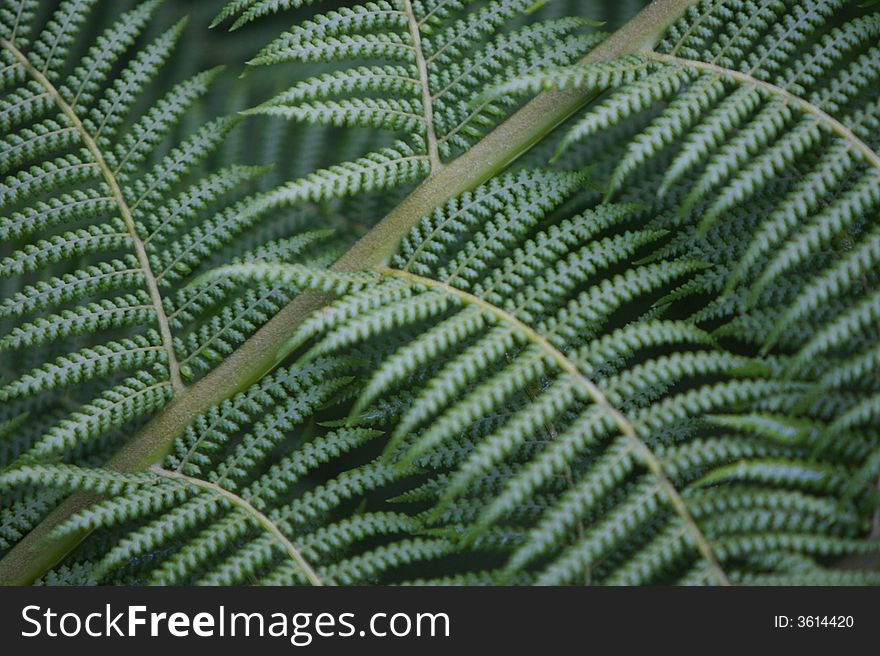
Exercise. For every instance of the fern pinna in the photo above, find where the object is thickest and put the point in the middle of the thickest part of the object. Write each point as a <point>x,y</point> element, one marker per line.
<point>762,129</point>
<point>650,361</point>
<point>106,214</point>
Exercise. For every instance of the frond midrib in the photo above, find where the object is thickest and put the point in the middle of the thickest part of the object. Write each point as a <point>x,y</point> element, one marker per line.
<point>249,509</point>
<point>651,461</point>
<point>124,209</point>
<point>427,100</point>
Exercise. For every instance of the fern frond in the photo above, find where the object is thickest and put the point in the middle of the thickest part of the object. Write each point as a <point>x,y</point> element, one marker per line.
<point>758,143</point>
<point>207,498</point>
<point>509,323</point>
<point>107,216</point>
<point>652,361</point>
<point>421,65</point>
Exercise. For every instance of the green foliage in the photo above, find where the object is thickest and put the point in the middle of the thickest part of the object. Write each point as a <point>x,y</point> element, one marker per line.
<point>739,111</point>
<point>223,537</point>
<point>424,64</point>
<point>106,216</point>
<point>648,354</point>
<point>525,385</point>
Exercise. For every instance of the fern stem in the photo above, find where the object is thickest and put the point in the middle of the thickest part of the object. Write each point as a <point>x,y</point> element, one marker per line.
<point>247,507</point>
<point>565,364</point>
<point>36,553</point>
<point>871,157</point>
<point>427,102</point>
<point>124,209</point>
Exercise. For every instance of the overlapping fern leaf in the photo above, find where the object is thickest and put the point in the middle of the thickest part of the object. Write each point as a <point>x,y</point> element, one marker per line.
<point>238,500</point>
<point>409,67</point>
<point>104,216</point>
<point>761,118</point>
<point>539,406</point>
<point>594,438</point>
<point>671,380</point>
